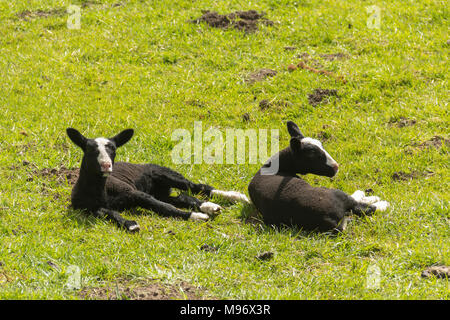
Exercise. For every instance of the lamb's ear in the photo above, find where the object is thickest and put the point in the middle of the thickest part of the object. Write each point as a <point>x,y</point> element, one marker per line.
<point>76,137</point>
<point>123,137</point>
<point>296,144</point>
<point>293,130</point>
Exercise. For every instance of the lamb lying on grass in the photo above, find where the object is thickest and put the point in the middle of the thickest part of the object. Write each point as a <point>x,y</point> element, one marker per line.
<point>104,187</point>
<point>285,198</point>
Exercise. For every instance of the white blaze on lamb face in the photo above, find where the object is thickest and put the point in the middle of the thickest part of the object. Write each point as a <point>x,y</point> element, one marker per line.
<point>330,161</point>
<point>104,160</point>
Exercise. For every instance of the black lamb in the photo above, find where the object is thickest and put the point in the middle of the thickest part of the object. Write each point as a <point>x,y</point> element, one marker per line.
<point>282,197</point>
<point>104,188</point>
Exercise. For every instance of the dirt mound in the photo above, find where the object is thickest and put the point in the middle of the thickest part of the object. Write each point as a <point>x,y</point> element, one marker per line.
<point>307,63</point>
<point>264,104</point>
<point>334,56</point>
<point>404,176</point>
<point>435,142</point>
<point>242,20</point>
<point>437,271</point>
<point>265,256</point>
<point>402,122</point>
<point>320,94</point>
<point>324,136</point>
<point>27,14</point>
<point>260,75</point>
<point>209,248</point>
<point>141,291</point>
<point>61,174</point>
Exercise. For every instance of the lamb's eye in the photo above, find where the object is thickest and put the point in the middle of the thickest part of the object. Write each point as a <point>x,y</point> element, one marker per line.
<point>92,150</point>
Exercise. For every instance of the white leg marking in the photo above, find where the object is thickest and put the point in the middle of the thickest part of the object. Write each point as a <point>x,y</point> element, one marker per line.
<point>233,196</point>
<point>134,227</point>
<point>358,195</point>
<point>381,205</point>
<point>198,216</point>
<point>370,200</point>
<point>210,208</point>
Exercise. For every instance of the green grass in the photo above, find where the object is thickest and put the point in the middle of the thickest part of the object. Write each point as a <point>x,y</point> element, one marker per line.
<point>142,64</point>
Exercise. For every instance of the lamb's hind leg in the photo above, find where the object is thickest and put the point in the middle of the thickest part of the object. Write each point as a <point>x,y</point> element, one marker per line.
<point>367,205</point>
<point>173,179</point>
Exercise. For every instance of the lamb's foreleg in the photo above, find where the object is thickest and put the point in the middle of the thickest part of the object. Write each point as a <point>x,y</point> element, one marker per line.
<point>146,201</point>
<point>173,179</point>
<point>115,217</point>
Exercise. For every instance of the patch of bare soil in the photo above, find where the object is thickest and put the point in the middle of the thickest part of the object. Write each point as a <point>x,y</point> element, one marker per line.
<point>28,14</point>
<point>405,176</point>
<point>196,103</point>
<point>435,142</point>
<point>143,290</point>
<point>246,117</point>
<point>324,136</point>
<point>264,104</point>
<point>402,122</point>
<point>334,56</point>
<point>246,21</point>
<point>319,94</point>
<point>307,58</point>
<point>278,104</point>
<point>260,75</point>
<point>60,174</point>
<point>437,271</point>
<point>209,248</point>
<point>265,256</point>
<point>310,64</point>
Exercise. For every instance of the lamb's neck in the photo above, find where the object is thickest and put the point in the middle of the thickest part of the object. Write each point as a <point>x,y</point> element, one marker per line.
<point>92,184</point>
<point>286,163</point>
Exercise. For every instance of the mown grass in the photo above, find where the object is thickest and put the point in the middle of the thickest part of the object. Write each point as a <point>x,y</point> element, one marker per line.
<point>143,65</point>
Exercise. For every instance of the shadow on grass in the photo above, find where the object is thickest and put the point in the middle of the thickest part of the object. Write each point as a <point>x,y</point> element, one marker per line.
<point>250,215</point>
<point>87,220</point>
<point>82,218</point>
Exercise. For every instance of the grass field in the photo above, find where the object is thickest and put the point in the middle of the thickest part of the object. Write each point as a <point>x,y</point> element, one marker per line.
<point>144,65</point>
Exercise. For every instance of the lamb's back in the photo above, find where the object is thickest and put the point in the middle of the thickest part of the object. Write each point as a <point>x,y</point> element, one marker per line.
<point>288,199</point>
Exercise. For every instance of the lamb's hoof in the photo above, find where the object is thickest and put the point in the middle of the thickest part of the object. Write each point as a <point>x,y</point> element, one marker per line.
<point>198,216</point>
<point>210,208</point>
<point>243,198</point>
<point>381,205</point>
<point>358,195</point>
<point>370,200</point>
<point>132,226</point>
